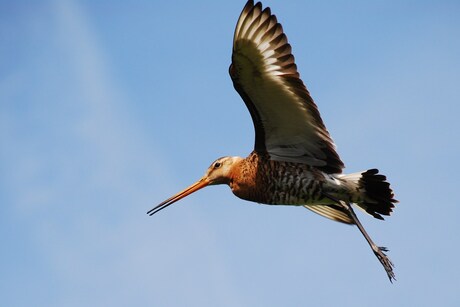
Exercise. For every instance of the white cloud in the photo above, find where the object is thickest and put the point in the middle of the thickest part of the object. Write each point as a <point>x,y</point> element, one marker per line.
<point>84,180</point>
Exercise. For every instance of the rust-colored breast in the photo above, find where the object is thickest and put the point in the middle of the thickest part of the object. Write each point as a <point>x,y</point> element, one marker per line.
<point>245,182</point>
<point>259,179</point>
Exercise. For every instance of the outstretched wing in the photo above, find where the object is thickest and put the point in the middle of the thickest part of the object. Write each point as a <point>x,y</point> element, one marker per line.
<point>287,123</point>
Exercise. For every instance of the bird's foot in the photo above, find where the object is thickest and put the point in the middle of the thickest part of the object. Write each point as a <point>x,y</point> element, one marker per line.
<point>385,261</point>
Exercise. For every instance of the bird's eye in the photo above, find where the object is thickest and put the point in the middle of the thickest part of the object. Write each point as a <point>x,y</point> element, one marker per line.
<point>217,165</point>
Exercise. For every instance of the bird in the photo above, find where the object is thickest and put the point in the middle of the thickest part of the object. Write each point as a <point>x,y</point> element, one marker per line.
<point>294,161</point>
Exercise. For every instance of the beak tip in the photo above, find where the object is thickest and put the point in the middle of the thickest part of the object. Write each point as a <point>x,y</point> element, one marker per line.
<point>193,188</point>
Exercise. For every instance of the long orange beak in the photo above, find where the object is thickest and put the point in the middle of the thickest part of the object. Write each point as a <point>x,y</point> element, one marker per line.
<point>193,188</point>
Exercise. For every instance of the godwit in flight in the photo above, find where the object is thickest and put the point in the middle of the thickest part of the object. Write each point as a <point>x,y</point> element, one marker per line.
<point>294,161</point>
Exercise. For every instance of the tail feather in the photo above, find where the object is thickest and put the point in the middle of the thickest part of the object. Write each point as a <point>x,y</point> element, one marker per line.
<point>374,193</point>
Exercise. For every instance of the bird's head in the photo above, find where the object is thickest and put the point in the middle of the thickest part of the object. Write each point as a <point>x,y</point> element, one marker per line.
<point>220,172</point>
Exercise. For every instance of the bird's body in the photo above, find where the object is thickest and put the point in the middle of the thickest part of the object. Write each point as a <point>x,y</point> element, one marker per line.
<point>294,161</point>
<point>259,179</point>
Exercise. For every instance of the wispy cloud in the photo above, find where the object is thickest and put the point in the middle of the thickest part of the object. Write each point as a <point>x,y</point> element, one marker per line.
<point>85,177</point>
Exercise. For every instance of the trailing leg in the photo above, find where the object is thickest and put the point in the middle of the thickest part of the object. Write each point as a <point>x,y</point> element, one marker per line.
<point>378,251</point>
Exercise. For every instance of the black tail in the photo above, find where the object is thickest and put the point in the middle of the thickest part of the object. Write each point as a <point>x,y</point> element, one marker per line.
<point>376,195</point>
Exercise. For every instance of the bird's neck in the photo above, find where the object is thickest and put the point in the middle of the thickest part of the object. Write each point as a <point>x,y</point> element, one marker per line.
<point>243,177</point>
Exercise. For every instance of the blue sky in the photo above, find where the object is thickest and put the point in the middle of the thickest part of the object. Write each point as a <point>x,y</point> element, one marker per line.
<point>108,108</point>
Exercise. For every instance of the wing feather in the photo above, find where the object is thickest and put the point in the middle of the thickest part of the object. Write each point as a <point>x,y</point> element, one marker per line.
<point>286,120</point>
<point>333,212</point>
